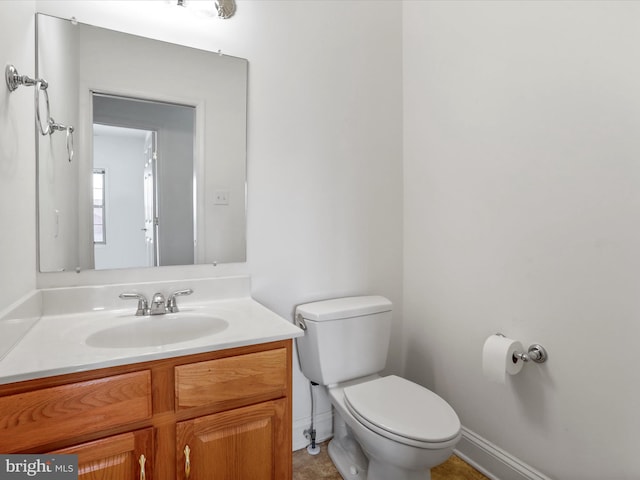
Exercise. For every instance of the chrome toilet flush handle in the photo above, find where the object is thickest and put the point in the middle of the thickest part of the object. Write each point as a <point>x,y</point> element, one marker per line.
<point>300,322</point>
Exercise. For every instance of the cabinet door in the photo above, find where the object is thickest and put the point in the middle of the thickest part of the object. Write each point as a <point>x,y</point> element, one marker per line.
<point>249,443</point>
<point>128,456</point>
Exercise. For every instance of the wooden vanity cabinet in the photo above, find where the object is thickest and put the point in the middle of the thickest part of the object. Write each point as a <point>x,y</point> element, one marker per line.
<point>223,415</point>
<point>119,457</point>
<point>245,442</point>
<point>247,436</point>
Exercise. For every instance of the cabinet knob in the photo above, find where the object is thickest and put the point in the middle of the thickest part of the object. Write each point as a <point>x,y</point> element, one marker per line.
<point>142,460</point>
<point>187,462</point>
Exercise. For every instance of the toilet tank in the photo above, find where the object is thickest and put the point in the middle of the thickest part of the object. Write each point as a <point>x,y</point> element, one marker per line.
<point>344,338</point>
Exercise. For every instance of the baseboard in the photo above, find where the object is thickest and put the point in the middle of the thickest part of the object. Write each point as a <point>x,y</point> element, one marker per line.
<point>492,461</point>
<point>323,423</point>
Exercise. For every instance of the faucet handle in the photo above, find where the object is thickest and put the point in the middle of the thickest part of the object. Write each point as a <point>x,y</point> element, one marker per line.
<point>172,304</point>
<point>143,305</point>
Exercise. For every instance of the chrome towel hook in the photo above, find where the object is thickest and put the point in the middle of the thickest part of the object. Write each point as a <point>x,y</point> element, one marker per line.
<point>14,80</point>
<point>48,125</point>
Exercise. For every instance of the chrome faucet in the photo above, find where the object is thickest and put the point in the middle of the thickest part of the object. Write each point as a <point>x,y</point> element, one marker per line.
<point>158,304</point>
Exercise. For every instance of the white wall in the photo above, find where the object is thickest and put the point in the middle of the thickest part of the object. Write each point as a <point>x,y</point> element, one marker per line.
<point>324,156</point>
<point>521,216</point>
<point>17,156</point>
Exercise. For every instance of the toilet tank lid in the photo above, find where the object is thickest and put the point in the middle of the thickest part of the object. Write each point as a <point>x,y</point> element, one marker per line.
<point>347,307</point>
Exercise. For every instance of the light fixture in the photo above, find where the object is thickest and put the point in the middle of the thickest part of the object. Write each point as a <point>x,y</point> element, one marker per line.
<point>225,8</point>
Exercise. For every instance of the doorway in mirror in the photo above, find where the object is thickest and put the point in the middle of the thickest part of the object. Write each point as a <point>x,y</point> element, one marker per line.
<point>145,150</point>
<point>124,207</point>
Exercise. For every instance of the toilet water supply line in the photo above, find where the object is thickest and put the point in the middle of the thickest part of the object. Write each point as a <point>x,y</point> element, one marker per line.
<point>312,449</point>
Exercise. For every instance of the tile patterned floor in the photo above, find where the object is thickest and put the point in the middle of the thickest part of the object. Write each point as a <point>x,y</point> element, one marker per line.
<point>319,467</point>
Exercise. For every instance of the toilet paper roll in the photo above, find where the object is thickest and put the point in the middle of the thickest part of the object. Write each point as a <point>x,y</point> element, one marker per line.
<point>498,359</point>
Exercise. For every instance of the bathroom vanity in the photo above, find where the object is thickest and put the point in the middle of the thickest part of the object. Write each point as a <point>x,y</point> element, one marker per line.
<point>227,412</point>
<point>215,406</point>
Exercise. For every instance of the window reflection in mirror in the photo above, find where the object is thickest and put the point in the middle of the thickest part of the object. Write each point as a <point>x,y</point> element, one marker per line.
<point>99,225</point>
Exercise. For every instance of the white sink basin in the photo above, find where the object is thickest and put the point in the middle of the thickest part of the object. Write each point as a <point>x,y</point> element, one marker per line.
<point>157,330</point>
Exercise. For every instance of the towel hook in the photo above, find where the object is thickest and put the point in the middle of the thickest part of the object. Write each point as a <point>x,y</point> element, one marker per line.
<point>49,125</point>
<point>14,79</point>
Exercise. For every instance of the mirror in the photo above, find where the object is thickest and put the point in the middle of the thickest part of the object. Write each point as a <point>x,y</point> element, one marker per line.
<point>155,172</point>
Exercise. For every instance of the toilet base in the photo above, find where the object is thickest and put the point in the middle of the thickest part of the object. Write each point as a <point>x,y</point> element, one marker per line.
<point>348,467</point>
<point>362,454</point>
<point>345,452</point>
<point>386,471</point>
<point>353,465</point>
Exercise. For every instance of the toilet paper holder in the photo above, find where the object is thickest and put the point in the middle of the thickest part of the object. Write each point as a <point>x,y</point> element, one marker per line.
<point>536,353</point>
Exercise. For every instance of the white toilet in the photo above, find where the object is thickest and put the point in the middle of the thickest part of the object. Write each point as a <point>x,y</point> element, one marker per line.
<point>385,428</point>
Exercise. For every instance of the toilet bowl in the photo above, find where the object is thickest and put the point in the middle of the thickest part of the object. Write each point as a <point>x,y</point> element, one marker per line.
<point>401,443</point>
<point>385,428</point>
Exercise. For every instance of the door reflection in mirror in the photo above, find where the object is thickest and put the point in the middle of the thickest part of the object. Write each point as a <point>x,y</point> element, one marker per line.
<point>147,152</point>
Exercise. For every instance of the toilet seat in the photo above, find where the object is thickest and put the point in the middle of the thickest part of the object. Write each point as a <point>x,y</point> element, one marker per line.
<point>403,411</point>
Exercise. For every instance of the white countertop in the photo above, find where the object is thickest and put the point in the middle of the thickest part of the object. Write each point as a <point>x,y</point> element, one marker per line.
<point>56,344</point>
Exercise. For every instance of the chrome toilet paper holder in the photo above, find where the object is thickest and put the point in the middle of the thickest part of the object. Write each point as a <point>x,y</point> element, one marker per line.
<point>536,353</point>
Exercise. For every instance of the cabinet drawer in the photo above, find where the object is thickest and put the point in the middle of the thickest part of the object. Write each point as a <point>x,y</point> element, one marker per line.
<point>51,414</point>
<point>232,381</point>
